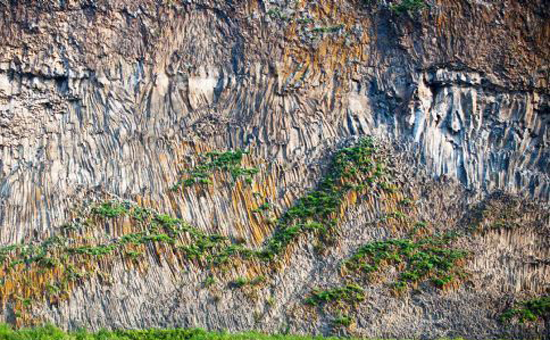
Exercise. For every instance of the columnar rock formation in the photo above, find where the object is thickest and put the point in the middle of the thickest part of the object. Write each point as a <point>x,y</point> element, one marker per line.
<point>115,99</point>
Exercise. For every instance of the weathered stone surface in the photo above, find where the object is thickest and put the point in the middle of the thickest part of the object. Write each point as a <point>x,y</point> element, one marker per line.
<point>112,97</point>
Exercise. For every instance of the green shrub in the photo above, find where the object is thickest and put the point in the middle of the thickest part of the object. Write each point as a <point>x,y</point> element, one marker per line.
<point>210,280</point>
<point>350,293</point>
<point>110,209</point>
<point>429,257</point>
<point>408,6</point>
<point>529,311</point>
<point>242,281</point>
<point>263,207</point>
<point>276,13</point>
<point>228,161</point>
<point>342,320</point>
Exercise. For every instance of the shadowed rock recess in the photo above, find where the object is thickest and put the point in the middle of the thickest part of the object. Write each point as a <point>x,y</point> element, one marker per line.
<point>366,168</point>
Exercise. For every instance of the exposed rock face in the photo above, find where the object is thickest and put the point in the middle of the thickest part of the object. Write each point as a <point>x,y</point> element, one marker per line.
<point>112,97</point>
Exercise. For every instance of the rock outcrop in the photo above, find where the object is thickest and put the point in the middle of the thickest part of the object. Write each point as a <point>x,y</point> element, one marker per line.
<point>116,99</point>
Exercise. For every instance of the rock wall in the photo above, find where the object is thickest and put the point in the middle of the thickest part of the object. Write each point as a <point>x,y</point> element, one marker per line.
<point>117,97</point>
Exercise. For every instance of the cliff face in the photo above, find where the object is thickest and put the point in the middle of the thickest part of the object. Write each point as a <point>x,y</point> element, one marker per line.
<point>103,99</point>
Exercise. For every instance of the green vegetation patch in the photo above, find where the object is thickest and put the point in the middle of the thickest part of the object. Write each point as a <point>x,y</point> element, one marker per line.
<point>529,311</point>
<point>429,257</point>
<point>49,269</point>
<point>408,6</point>
<point>342,320</point>
<point>243,281</point>
<point>350,293</point>
<point>349,170</point>
<point>340,299</point>
<point>352,168</point>
<point>276,13</point>
<point>228,161</point>
<point>110,209</point>
<point>52,333</point>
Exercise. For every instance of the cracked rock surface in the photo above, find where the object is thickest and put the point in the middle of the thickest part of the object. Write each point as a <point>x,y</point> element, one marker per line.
<point>102,98</point>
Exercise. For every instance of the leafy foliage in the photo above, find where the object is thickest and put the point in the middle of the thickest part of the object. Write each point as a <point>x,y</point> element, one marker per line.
<point>422,258</point>
<point>110,209</point>
<point>408,6</point>
<point>276,13</point>
<point>242,281</point>
<point>56,263</point>
<point>529,311</point>
<point>210,280</point>
<point>342,320</point>
<point>263,207</point>
<point>228,161</point>
<point>315,210</point>
<point>350,293</point>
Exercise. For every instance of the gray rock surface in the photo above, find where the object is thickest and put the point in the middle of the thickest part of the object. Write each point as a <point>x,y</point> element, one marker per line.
<point>114,97</point>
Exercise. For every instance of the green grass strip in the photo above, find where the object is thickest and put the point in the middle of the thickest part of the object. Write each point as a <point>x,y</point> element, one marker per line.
<point>50,332</point>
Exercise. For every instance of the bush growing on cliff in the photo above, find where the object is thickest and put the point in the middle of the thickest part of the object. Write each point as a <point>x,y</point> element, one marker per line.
<point>342,320</point>
<point>243,281</point>
<point>408,6</point>
<point>110,209</point>
<point>350,293</point>
<point>210,162</point>
<point>529,311</point>
<point>429,257</point>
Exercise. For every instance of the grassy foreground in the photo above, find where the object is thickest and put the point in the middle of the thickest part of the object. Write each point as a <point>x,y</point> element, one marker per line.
<point>53,333</point>
<point>50,332</point>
